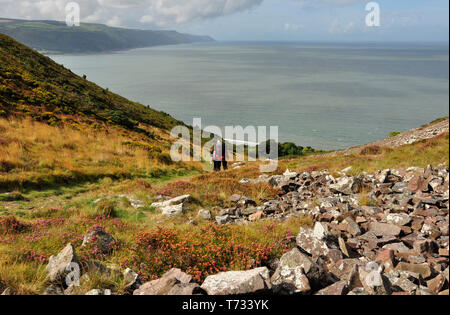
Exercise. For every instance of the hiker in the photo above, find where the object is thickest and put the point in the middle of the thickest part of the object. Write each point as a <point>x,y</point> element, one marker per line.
<point>219,156</point>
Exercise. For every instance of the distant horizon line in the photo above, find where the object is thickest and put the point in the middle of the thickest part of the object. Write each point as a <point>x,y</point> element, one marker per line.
<point>327,41</point>
<point>344,41</point>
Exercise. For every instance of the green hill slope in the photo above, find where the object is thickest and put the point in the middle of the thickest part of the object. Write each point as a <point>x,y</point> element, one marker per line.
<point>33,84</point>
<point>52,36</point>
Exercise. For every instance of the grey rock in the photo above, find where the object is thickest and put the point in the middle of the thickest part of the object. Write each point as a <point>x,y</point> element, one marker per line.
<point>238,282</point>
<point>132,280</point>
<point>384,229</point>
<point>293,263</point>
<point>223,219</point>
<point>99,292</point>
<point>59,266</point>
<point>174,210</point>
<point>174,201</point>
<point>400,219</point>
<point>186,289</point>
<point>102,241</point>
<point>204,214</point>
<point>346,186</point>
<point>165,284</point>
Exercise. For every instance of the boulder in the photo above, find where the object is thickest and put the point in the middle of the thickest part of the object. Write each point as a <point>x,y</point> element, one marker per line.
<point>374,282</point>
<point>399,219</point>
<point>384,229</point>
<point>436,284</point>
<point>59,266</point>
<point>99,292</point>
<point>291,267</point>
<point>446,274</point>
<point>174,201</point>
<point>96,267</point>
<point>132,280</point>
<point>422,269</point>
<point>338,288</point>
<point>165,284</point>
<point>308,241</point>
<point>290,280</point>
<point>352,226</point>
<point>171,211</point>
<point>204,214</point>
<point>346,186</point>
<point>249,211</point>
<point>186,289</point>
<point>256,216</point>
<point>224,219</point>
<point>238,282</point>
<point>102,241</point>
<point>399,283</point>
<point>417,183</point>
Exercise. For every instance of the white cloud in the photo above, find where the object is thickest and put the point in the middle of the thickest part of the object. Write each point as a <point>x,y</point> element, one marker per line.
<point>338,27</point>
<point>159,12</point>
<point>163,12</point>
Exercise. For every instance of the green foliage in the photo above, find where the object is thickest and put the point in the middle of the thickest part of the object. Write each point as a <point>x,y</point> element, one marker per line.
<point>105,208</point>
<point>285,149</point>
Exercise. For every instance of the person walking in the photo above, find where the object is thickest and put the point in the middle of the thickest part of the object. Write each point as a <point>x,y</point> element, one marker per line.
<point>219,156</point>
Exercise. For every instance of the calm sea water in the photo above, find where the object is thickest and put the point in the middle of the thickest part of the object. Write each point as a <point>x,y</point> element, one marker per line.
<point>327,96</point>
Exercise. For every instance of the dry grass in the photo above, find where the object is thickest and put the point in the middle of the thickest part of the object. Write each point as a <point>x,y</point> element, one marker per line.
<point>433,151</point>
<point>21,277</point>
<point>36,153</point>
<point>52,219</point>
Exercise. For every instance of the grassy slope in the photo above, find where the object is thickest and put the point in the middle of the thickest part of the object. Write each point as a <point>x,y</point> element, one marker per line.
<point>422,153</point>
<point>74,130</point>
<point>41,35</point>
<point>66,213</point>
<point>37,155</point>
<point>32,83</point>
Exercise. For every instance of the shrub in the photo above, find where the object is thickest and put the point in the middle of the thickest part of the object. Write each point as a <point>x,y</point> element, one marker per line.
<point>10,225</point>
<point>164,158</point>
<point>12,196</point>
<point>6,166</point>
<point>105,208</point>
<point>203,251</point>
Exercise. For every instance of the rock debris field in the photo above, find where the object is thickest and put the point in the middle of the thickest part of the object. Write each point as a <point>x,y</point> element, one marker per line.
<point>375,234</point>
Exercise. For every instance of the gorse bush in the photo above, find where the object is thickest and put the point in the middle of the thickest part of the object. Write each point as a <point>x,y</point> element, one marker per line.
<point>10,225</point>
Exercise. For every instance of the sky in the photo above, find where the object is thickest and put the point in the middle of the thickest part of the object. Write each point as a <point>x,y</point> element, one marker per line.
<point>259,20</point>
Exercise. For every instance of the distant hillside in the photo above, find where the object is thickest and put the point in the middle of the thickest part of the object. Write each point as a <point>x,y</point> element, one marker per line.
<point>35,85</point>
<point>56,37</point>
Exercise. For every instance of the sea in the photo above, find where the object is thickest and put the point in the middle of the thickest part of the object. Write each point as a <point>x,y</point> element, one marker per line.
<point>324,95</point>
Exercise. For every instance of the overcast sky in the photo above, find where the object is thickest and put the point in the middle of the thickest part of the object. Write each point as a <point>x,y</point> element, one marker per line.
<point>296,20</point>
